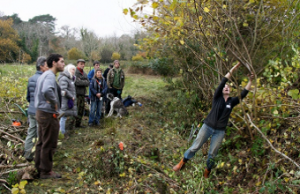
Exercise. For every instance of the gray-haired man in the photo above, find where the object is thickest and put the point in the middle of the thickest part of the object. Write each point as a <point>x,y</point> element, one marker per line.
<point>41,67</point>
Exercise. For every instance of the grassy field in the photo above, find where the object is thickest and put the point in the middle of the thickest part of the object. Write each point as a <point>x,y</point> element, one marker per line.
<point>155,138</point>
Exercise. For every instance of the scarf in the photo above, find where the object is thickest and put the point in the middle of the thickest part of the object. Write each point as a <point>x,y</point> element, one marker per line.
<point>81,70</point>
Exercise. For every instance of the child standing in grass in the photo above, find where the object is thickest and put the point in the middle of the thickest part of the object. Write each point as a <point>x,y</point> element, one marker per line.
<point>98,89</point>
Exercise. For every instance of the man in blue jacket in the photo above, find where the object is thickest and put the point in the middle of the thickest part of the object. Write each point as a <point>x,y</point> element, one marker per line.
<point>47,101</point>
<point>41,67</point>
<point>215,123</point>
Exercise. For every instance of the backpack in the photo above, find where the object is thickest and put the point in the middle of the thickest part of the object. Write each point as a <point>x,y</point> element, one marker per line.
<point>128,101</point>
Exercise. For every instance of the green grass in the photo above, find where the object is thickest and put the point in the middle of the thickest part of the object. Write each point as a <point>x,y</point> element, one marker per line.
<point>142,86</point>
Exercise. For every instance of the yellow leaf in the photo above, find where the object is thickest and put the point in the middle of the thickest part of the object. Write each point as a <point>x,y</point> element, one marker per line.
<point>275,112</point>
<point>154,5</point>
<point>97,182</point>
<point>245,24</point>
<point>206,10</point>
<point>224,6</point>
<point>286,179</point>
<point>22,191</point>
<point>251,1</point>
<point>22,184</point>
<point>200,18</point>
<point>258,183</point>
<point>222,164</point>
<point>135,17</point>
<point>181,41</point>
<point>125,11</point>
<point>15,191</point>
<point>122,175</point>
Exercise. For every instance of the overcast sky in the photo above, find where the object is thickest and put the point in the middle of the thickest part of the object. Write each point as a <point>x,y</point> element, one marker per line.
<point>104,17</point>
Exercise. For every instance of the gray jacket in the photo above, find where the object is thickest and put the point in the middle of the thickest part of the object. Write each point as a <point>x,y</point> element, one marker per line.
<point>81,82</point>
<point>46,93</point>
<point>30,91</point>
<point>68,91</point>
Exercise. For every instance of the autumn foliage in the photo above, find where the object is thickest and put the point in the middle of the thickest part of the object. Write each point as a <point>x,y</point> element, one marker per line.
<point>8,41</point>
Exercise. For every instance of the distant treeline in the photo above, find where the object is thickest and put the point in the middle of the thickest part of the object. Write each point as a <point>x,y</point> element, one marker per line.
<point>23,41</point>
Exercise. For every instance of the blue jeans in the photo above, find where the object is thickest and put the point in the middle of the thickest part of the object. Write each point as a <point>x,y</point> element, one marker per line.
<point>202,137</point>
<point>95,112</point>
<point>62,124</point>
<point>32,132</point>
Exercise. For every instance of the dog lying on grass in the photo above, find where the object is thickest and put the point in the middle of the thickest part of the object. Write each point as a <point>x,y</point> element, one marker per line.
<point>117,105</point>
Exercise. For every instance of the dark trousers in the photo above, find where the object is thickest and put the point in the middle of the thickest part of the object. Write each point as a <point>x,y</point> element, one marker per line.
<point>48,129</point>
<point>116,92</point>
<point>80,110</point>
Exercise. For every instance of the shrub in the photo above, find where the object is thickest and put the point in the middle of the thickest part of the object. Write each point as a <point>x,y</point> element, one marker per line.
<point>115,56</point>
<point>74,54</point>
<point>163,66</point>
<point>137,58</point>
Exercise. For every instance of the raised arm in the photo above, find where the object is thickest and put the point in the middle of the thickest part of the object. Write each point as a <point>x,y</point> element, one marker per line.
<point>228,75</point>
<point>248,86</point>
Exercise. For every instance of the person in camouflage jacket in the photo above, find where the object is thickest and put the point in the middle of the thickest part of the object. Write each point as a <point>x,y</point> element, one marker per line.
<point>116,80</point>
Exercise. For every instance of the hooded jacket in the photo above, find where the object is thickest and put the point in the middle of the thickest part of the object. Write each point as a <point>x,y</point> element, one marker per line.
<point>68,91</point>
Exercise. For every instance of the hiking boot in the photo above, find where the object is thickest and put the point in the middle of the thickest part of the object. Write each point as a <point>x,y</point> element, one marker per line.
<point>206,173</point>
<point>179,165</point>
<point>49,175</point>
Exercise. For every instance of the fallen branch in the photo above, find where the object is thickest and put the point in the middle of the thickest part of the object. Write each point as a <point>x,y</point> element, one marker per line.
<point>13,166</point>
<point>280,153</point>
<point>6,187</point>
<point>12,136</point>
<point>3,181</point>
<point>7,172</point>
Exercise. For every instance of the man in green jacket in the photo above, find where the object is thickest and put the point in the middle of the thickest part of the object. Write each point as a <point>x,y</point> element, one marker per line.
<point>81,83</point>
<point>116,80</point>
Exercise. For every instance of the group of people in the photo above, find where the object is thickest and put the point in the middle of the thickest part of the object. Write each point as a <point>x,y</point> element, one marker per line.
<point>50,100</point>
<point>59,106</point>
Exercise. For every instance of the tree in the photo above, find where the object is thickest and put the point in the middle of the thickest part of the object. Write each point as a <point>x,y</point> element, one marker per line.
<point>47,20</point>
<point>89,42</point>
<point>115,56</point>
<point>106,54</point>
<point>74,54</point>
<point>16,18</point>
<point>8,41</point>
<point>206,37</point>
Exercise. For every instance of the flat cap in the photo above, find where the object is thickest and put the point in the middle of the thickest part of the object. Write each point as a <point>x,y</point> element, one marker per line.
<point>80,60</point>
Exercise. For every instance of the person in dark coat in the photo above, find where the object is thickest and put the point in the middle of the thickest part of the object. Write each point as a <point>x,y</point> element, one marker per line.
<point>106,71</point>
<point>32,132</point>
<point>81,83</point>
<point>107,101</point>
<point>98,89</point>
<point>215,123</point>
<point>66,81</point>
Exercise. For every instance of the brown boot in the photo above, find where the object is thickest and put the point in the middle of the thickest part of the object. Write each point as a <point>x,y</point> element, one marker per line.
<point>206,173</point>
<point>50,175</point>
<point>179,165</point>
